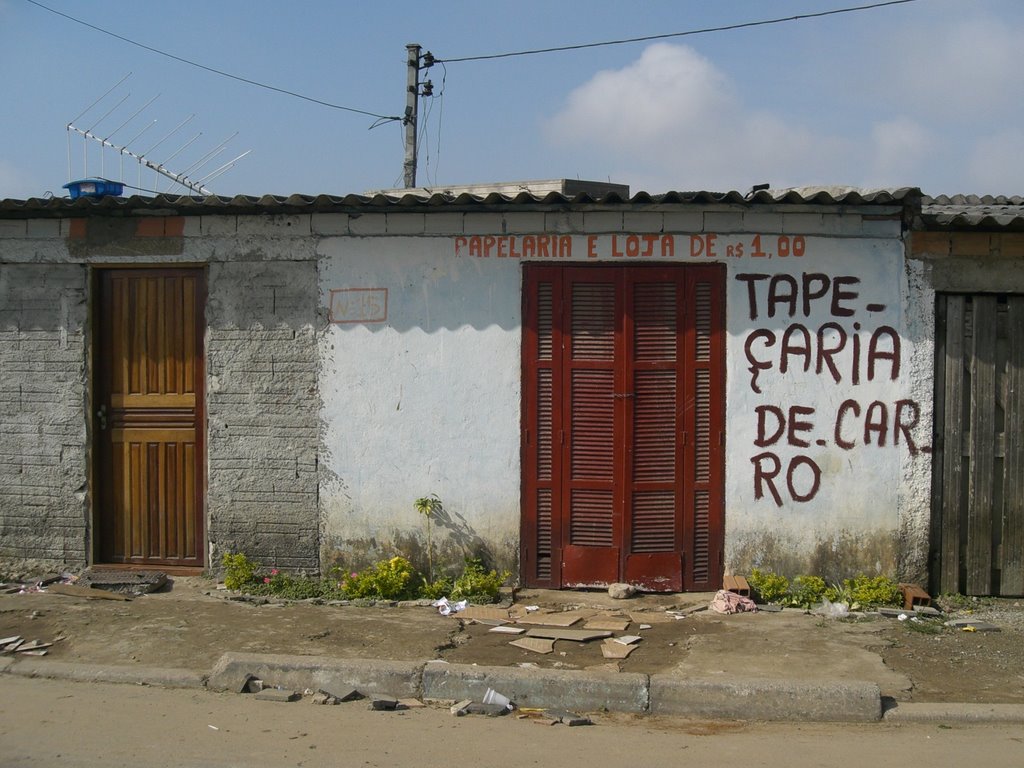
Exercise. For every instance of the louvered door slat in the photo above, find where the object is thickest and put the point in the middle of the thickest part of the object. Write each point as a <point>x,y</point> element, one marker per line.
<point>540,533</point>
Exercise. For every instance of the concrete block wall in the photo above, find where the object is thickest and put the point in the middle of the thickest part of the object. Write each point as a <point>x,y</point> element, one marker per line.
<point>263,412</point>
<point>43,465</point>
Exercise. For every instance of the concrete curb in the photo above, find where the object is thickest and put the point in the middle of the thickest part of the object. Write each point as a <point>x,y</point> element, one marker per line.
<point>96,673</point>
<point>751,699</point>
<point>587,692</point>
<point>369,676</point>
<point>954,713</point>
<point>766,699</point>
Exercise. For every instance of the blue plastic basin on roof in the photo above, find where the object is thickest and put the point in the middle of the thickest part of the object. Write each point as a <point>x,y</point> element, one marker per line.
<point>94,188</point>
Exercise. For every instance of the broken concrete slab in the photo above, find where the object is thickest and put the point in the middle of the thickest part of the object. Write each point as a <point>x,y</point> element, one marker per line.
<point>321,697</point>
<point>577,635</point>
<point>505,629</point>
<point>124,582</point>
<point>535,644</point>
<point>566,717</point>
<point>972,625</point>
<point>927,610</point>
<point>627,639</point>
<point>278,694</point>
<point>383,703</point>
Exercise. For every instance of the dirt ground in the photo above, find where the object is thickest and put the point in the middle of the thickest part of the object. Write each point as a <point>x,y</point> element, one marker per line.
<point>192,623</point>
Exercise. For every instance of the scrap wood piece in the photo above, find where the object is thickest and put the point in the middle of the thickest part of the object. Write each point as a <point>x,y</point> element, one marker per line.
<point>35,645</point>
<point>628,639</point>
<point>578,635</point>
<point>562,619</point>
<point>611,649</point>
<point>535,644</point>
<point>73,590</point>
<point>12,646</point>
<point>507,630</point>
<point>484,612</point>
<point>650,617</point>
<point>607,622</point>
<point>8,640</point>
<point>736,584</point>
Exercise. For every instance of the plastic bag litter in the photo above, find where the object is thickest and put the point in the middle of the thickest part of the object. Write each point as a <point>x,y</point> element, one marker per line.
<point>832,610</point>
<point>445,607</point>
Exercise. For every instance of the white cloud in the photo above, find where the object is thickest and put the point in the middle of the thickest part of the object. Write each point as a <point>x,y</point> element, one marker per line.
<point>675,121</point>
<point>961,68</point>
<point>995,164</point>
<point>15,183</point>
<point>901,149</point>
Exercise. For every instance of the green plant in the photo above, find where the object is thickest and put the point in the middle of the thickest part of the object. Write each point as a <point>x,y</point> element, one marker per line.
<point>427,506</point>
<point>866,592</point>
<point>297,587</point>
<point>239,571</point>
<point>435,590</point>
<point>477,584</point>
<point>772,587</point>
<point>875,591</point>
<point>386,580</point>
<point>806,591</point>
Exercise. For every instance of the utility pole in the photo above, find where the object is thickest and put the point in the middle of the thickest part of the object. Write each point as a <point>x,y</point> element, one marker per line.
<point>412,98</point>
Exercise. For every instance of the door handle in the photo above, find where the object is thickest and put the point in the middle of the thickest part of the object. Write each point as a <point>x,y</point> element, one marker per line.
<point>101,416</point>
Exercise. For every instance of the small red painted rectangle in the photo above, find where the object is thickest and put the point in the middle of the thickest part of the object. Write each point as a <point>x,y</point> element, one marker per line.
<point>358,305</point>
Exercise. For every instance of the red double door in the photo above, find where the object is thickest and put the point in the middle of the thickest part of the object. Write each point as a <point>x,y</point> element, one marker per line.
<point>623,412</point>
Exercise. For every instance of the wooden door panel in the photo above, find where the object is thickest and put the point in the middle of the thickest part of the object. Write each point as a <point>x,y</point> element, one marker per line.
<point>978,461</point>
<point>148,398</point>
<point>623,382</point>
<point>540,538</point>
<point>590,509</point>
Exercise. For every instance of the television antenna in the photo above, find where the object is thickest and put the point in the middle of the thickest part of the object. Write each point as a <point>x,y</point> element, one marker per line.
<point>189,178</point>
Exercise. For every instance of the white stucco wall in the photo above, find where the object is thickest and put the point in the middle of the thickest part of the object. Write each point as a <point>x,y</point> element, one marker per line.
<point>424,402</point>
<point>425,398</point>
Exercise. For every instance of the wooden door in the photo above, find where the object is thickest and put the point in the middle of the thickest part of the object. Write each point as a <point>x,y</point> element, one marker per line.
<point>978,460</point>
<point>148,416</point>
<point>623,388</point>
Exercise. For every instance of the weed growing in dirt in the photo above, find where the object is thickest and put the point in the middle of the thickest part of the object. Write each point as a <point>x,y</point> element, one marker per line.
<point>771,587</point>
<point>393,579</point>
<point>239,571</point>
<point>386,580</point>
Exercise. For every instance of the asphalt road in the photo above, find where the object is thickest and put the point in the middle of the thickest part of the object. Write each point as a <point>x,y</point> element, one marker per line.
<point>46,722</point>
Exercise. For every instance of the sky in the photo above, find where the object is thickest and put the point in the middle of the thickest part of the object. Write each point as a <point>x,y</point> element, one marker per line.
<point>927,94</point>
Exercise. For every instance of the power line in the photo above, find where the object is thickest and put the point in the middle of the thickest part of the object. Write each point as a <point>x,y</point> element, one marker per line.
<point>220,72</point>
<point>706,30</point>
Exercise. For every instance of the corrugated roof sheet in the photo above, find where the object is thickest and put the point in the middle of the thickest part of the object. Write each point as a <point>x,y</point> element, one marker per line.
<point>269,204</point>
<point>973,212</point>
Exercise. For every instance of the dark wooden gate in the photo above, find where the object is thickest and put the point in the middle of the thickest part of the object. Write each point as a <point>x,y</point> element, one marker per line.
<point>623,408</point>
<point>148,416</point>
<point>978,469</point>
